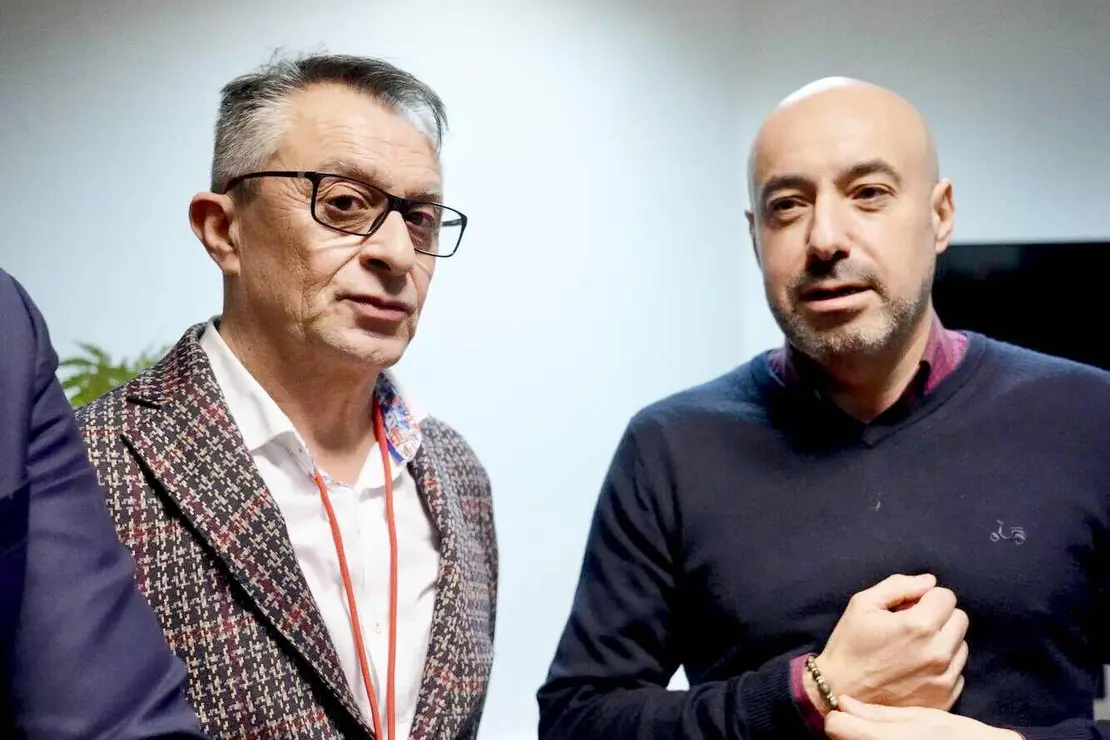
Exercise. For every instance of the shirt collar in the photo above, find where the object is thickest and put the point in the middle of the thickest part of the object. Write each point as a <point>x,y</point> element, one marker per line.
<point>944,349</point>
<point>261,420</point>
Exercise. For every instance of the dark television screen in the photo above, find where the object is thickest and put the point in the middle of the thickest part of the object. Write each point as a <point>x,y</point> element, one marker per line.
<point>1049,297</point>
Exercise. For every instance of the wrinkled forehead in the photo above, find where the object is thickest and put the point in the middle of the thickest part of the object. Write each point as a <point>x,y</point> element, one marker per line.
<point>347,132</point>
<point>819,143</point>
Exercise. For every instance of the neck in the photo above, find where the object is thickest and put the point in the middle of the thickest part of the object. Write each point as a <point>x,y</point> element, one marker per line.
<point>866,386</point>
<point>332,411</point>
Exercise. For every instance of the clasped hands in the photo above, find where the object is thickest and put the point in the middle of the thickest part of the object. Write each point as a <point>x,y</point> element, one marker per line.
<point>895,661</point>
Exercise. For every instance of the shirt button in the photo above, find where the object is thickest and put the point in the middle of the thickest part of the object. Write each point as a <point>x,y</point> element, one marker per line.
<point>377,628</point>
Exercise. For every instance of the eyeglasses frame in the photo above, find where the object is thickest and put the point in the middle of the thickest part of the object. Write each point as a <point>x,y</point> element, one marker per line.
<point>394,203</point>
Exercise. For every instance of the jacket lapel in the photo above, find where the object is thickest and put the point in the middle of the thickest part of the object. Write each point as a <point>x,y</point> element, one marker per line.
<point>187,439</point>
<point>443,650</point>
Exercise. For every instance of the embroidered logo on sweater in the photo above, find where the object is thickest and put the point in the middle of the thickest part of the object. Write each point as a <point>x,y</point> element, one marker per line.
<point>1010,534</point>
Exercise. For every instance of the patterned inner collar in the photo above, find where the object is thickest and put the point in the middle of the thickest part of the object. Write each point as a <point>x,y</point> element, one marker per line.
<point>402,427</point>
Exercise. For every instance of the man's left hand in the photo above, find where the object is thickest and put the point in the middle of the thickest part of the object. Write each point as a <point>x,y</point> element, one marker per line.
<point>858,721</point>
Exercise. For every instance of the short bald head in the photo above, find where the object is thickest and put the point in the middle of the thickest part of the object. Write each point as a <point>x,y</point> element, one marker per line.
<point>845,193</point>
<point>844,101</point>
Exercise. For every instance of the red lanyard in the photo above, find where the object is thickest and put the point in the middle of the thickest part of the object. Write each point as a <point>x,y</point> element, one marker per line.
<point>356,626</point>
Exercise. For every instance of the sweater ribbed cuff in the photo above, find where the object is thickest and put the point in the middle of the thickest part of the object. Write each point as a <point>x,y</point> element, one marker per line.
<point>769,698</point>
<point>805,705</point>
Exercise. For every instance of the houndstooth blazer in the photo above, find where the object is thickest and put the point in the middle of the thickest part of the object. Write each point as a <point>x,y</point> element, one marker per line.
<point>215,561</point>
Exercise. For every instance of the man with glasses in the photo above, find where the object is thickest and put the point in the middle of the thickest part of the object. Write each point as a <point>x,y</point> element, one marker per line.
<point>321,554</point>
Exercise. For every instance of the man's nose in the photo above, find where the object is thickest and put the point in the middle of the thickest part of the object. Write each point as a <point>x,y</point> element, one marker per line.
<point>390,249</point>
<point>828,230</point>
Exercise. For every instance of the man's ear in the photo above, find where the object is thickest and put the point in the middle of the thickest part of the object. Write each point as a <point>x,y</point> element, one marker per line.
<point>212,217</point>
<point>751,234</point>
<point>944,215</point>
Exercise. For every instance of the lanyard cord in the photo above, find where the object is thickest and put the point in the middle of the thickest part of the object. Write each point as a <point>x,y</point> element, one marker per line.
<point>356,626</point>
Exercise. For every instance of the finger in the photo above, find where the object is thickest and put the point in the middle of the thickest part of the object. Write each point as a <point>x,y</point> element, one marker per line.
<point>952,634</point>
<point>959,662</point>
<point>902,606</point>
<point>952,675</point>
<point>955,695</point>
<point>897,589</point>
<point>932,610</point>
<point>842,726</point>
<point>874,712</point>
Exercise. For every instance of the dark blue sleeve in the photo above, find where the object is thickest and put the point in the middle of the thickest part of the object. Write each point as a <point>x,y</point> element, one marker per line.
<point>609,677</point>
<point>89,658</point>
<point>1078,729</point>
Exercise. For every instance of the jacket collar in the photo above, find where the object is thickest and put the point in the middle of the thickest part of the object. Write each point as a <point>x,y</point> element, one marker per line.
<point>262,422</point>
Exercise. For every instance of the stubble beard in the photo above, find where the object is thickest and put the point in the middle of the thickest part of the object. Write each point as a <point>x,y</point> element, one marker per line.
<point>869,335</point>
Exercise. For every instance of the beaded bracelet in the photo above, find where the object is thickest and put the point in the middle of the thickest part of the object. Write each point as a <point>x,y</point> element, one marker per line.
<point>826,692</point>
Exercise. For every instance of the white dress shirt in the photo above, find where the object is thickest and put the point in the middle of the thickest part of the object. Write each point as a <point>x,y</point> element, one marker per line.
<point>283,460</point>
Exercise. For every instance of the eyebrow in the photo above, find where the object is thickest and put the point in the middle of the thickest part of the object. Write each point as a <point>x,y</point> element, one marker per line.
<point>374,177</point>
<point>801,182</point>
<point>871,167</point>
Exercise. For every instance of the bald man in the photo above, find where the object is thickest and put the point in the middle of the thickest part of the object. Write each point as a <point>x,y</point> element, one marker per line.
<point>882,529</point>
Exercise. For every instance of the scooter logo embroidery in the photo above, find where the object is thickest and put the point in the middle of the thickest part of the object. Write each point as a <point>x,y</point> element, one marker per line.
<point>1011,534</point>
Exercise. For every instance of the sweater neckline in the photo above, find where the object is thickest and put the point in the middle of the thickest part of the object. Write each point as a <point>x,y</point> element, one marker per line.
<point>805,413</point>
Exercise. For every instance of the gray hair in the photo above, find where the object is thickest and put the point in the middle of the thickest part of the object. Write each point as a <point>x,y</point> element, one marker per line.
<point>252,106</point>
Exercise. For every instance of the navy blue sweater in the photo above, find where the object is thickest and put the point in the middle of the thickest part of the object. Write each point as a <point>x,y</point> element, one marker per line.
<point>738,518</point>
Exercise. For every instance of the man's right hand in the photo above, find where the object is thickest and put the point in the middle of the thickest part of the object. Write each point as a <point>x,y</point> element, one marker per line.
<point>900,643</point>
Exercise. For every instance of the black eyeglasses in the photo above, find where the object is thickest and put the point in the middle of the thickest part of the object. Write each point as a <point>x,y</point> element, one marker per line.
<point>355,207</point>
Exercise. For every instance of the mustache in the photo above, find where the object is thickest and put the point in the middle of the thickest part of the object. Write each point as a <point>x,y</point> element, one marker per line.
<point>841,272</point>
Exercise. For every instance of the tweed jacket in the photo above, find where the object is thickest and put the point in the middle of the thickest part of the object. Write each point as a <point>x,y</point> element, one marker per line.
<point>214,559</point>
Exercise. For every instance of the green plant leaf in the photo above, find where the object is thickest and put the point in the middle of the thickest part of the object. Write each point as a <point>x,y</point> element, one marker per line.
<point>92,373</point>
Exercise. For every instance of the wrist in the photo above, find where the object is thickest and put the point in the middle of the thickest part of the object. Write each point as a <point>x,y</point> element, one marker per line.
<point>813,690</point>
<point>804,702</point>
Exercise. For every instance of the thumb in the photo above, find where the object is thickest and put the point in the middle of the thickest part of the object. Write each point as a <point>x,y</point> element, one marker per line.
<point>873,712</point>
<point>897,589</point>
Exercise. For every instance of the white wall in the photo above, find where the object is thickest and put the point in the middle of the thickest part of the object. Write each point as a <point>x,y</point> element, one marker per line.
<point>597,147</point>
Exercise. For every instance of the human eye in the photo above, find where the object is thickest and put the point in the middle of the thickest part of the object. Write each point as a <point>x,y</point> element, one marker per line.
<point>871,194</point>
<point>784,208</point>
<point>347,204</point>
<point>423,217</point>
<point>424,224</point>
